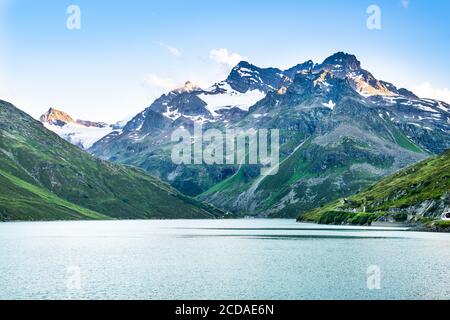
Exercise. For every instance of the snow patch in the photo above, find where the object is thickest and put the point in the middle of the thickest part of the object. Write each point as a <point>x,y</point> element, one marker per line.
<point>231,98</point>
<point>330,104</point>
<point>79,135</point>
<point>173,115</point>
<point>425,108</point>
<point>442,107</point>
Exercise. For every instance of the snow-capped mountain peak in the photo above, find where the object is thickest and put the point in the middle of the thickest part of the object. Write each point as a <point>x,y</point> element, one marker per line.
<point>82,133</point>
<point>344,61</point>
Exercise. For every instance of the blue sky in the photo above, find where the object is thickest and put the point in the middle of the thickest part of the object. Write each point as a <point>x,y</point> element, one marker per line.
<point>129,52</point>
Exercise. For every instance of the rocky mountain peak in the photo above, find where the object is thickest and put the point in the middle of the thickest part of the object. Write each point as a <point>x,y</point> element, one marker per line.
<point>81,133</point>
<point>344,65</point>
<point>245,65</point>
<point>60,118</point>
<point>246,77</point>
<point>56,117</point>
<point>243,69</point>
<point>349,62</point>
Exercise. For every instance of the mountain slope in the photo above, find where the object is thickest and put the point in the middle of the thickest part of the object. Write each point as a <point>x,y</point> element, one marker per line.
<point>417,192</point>
<point>20,200</point>
<point>326,153</point>
<point>34,159</point>
<point>341,130</point>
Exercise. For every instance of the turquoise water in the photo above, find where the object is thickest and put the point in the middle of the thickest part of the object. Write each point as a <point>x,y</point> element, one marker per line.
<point>222,259</point>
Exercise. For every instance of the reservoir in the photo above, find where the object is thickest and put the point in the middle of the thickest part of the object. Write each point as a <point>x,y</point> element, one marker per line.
<point>219,259</point>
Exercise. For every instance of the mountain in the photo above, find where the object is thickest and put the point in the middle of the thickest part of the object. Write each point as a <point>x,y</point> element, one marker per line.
<point>420,193</point>
<point>341,130</point>
<point>334,143</point>
<point>144,139</point>
<point>81,133</point>
<point>343,65</point>
<point>43,177</point>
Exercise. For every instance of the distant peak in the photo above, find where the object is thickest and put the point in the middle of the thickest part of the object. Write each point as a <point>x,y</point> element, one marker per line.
<point>54,110</point>
<point>56,117</point>
<point>60,118</point>
<point>188,87</point>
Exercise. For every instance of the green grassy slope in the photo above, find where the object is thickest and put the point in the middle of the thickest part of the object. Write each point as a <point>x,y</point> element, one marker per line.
<point>32,155</point>
<point>20,200</point>
<point>325,154</point>
<point>422,190</point>
<point>309,176</point>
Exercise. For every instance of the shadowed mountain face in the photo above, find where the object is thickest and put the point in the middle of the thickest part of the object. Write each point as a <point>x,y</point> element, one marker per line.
<point>43,177</point>
<point>340,130</point>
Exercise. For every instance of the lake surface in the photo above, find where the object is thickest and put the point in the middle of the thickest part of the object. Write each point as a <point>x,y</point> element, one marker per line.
<point>221,259</point>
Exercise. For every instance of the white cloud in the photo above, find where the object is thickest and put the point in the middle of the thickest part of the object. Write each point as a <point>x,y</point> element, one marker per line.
<point>426,90</point>
<point>153,80</point>
<point>226,58</point>
<point>172,50</point>
<point>405,3</point>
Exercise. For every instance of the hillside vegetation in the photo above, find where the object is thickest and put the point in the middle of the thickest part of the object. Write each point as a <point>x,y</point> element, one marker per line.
<point>417,194</point>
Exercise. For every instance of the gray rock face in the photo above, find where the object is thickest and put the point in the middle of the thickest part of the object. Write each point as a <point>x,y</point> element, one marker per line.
<point>245,76</point>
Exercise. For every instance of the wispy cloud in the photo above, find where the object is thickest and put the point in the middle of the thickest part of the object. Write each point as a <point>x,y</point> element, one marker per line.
<point>405,3</point>
<point>172,50</point>
<point>426,90</point>
<point>226,58</point>
<point>154,80</point>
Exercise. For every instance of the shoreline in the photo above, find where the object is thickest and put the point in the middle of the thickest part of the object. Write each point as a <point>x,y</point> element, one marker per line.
<point>382,226</point>
<point>417,227</point>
